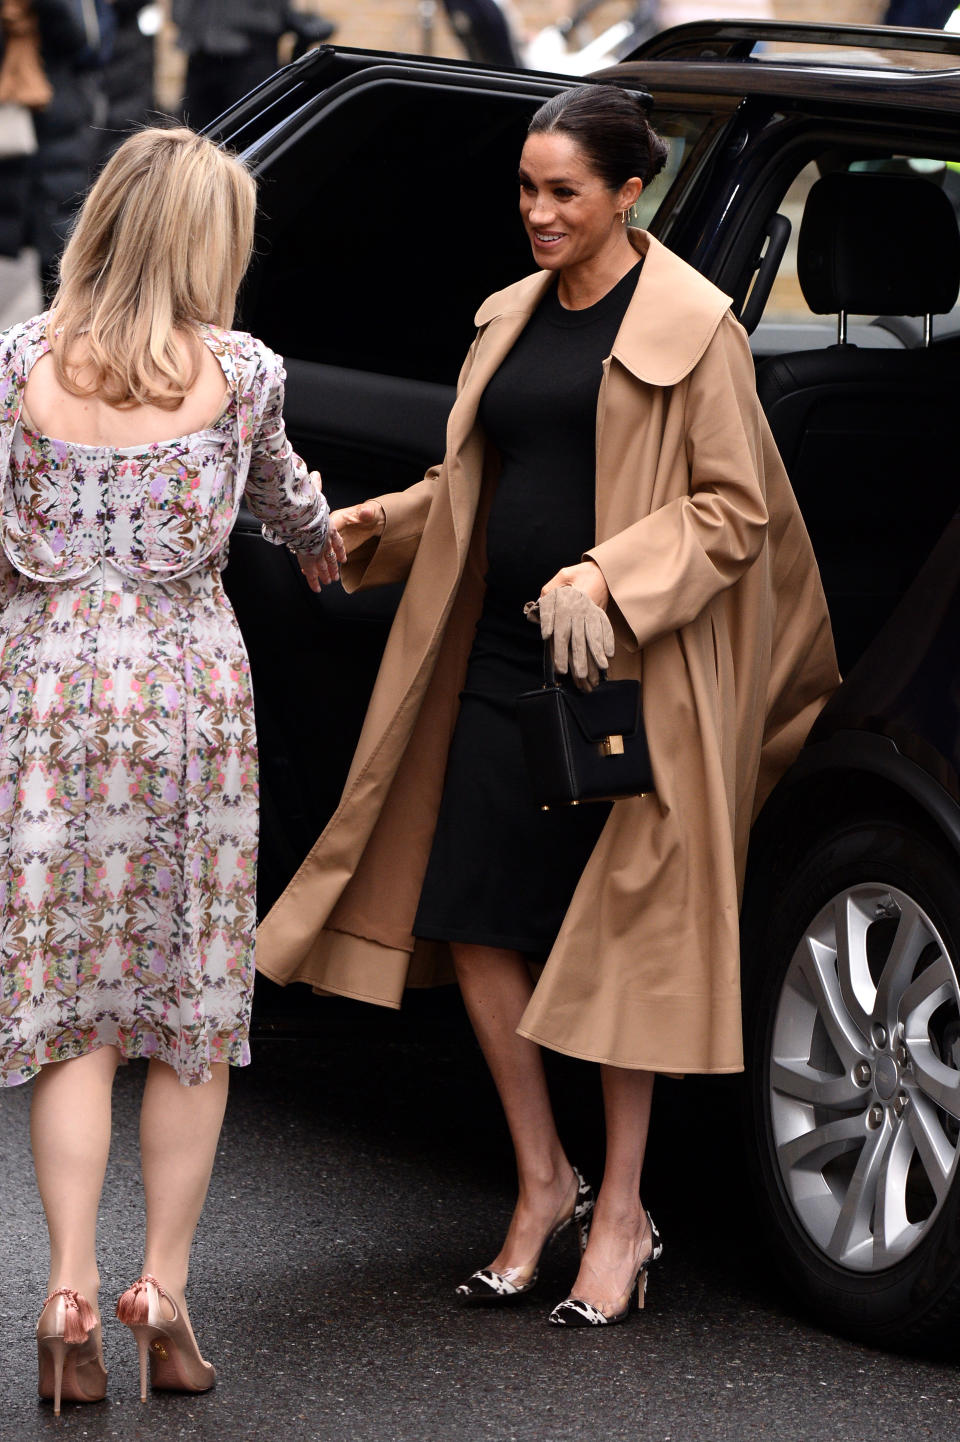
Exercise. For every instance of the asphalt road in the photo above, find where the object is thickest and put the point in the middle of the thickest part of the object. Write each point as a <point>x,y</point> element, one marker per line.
<point>362,1172</point>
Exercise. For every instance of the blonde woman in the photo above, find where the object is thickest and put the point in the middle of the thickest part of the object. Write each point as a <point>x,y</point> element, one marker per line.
<point>131,423</point>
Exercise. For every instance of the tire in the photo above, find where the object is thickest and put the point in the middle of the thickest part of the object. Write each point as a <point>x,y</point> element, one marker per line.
<point>854,1096</point>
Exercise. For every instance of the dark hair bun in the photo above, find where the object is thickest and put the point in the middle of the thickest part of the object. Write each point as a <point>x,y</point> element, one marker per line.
<point>659,149</point>
<point>610,126</point>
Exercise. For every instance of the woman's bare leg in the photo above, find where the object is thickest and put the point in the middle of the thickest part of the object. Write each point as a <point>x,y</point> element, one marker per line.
<point>618,1237</point>
<point>496,988</point>
<point>70,1120</point>
<point>179,1130</point>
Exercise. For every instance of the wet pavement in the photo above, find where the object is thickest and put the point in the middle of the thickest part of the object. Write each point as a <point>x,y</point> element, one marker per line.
<point>363,1170</point>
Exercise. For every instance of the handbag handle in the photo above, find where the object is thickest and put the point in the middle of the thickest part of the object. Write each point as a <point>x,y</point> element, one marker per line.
<point>549,670</point>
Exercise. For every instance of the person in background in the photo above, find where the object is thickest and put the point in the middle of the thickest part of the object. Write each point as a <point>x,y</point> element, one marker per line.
<point>25,87</point>
<point>127,76</point>
<point>919,14</point>
<point>231,47</point>
<point>59,171</point>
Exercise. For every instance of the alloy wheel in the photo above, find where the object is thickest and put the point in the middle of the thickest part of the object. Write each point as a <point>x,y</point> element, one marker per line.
<point>864,1079</point>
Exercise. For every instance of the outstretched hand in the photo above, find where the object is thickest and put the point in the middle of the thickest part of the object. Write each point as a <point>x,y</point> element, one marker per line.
<point>323,569</point>
<point>357,524</point>
<point>349,528</point>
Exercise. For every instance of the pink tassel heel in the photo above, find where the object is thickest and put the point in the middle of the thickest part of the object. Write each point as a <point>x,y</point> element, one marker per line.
<point>166,1346</point>
<point>69,1351</point>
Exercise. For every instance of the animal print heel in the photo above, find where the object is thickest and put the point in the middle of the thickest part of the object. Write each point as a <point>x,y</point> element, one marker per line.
<point>489,1288</point>
<point>574,1312</point>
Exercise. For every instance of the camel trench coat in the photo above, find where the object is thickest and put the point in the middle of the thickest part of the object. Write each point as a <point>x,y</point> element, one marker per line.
<point>716,603</point>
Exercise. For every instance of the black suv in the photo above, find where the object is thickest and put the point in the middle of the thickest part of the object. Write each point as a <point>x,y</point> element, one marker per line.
<point>813,175</point>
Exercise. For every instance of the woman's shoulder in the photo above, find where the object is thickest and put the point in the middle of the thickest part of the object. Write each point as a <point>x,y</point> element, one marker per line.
<point>20,346</point>
<point>252,366</point>
<point>240,345</point>
<point>20,337</point>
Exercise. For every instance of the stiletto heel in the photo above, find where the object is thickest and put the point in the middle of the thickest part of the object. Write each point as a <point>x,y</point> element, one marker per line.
<point>642,1289</point>
<point>166,1343</point>
<point>56,1350</point>
<point>142,1336</point>
<point>583,1222</point>
<point>69,1351</point>
<point>489,1288</point>
<point>574,1312</point>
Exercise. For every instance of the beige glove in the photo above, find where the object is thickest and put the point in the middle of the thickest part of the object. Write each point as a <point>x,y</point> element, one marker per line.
<point>580,631</point>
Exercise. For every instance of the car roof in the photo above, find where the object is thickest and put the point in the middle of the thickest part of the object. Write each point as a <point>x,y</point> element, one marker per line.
<point>879,65</point>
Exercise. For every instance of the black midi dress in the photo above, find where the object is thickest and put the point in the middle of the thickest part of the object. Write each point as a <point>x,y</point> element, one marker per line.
<point>501,871</point>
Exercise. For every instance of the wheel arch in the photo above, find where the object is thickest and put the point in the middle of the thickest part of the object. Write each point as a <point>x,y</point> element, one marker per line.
<point>849,775</point>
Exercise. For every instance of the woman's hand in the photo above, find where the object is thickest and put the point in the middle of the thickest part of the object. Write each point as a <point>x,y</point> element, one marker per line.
<point>324,569</point>
<point>578,632</point>
<point>356,524</point>
<point>587,577</point>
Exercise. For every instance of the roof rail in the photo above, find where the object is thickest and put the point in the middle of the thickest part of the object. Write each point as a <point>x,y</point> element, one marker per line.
<point>736,39</point>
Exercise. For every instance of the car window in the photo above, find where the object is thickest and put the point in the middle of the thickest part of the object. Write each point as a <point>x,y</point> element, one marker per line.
<point>682,131</point>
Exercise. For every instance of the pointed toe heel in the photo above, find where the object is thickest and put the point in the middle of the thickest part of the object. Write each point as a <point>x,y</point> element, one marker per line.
<point>575,1312</point>
<point>487,1288</point>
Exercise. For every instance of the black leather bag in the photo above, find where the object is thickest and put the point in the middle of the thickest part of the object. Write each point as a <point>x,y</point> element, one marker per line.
<point>584,745</point>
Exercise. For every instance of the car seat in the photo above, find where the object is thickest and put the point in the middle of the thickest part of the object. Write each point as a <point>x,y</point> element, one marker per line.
<point>870,437</point>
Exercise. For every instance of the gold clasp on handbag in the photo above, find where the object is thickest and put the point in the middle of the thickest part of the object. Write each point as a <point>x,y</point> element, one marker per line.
<point>611,746</point>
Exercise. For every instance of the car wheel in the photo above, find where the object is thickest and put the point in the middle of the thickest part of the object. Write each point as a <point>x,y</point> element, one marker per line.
<point>855,1087</point>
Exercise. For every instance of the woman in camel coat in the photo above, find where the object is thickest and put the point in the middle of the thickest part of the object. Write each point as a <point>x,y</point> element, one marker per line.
<point>702,563</point>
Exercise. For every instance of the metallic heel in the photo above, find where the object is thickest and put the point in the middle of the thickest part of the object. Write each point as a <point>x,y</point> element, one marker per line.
<point>56,1350</point>
<point>69,1351</point>
<point>164,1344</point>
<point>142,1336</point>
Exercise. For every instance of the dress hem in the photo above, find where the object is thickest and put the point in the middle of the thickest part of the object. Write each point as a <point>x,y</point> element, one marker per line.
<point>238,1055</point>
<point>677,1073</point>
<point>470,938</point>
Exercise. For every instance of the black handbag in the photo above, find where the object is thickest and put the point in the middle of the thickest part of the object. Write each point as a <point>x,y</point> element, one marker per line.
<point>584,745</point>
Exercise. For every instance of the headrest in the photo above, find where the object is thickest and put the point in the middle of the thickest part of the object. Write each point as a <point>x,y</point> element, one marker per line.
<point>878,245</point>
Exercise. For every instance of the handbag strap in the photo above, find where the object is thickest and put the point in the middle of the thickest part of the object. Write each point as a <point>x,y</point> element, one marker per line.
<point>549,670</point>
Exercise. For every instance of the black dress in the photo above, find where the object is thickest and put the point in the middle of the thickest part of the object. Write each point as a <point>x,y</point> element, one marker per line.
<point>501,871</point>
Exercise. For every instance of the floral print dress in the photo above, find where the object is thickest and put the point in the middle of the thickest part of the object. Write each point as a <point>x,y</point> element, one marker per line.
<point>128,767</point>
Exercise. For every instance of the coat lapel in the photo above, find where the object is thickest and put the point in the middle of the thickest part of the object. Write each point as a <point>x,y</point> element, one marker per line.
<point>465,441</point>
<point>671,318</point>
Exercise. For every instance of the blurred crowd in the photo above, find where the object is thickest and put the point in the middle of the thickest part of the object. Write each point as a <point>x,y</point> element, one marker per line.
<point>590,36</point>
<point>76,75</point>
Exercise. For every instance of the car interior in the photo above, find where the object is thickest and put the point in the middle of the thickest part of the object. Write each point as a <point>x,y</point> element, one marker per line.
<point>866,434</point>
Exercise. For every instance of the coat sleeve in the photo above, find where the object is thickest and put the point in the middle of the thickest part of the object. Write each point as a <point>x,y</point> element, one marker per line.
<point>664,569</point>
<point>388,557</point>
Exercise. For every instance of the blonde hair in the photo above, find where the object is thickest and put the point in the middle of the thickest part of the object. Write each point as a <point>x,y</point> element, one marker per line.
<point>161,243</point>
